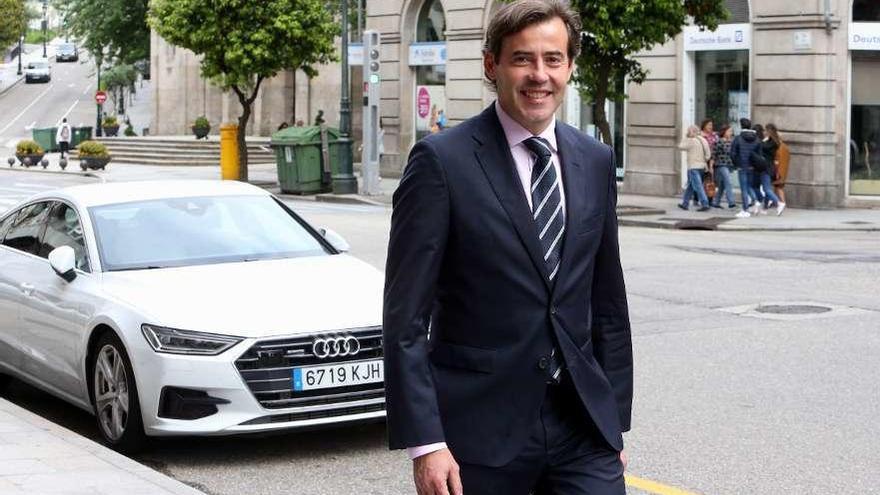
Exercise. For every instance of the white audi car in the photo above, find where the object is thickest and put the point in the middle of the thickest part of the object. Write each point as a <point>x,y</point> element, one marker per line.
<point>188,308</point>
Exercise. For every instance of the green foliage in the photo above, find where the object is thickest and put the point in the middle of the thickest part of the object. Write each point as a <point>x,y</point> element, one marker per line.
<point>92,149</point>
<point>36,37</point>
<point>13,21</point>
<point>114,30</point>
<point>241,43</point>
<point>28,147</point>
<point>129,130</point>
<point>109,121</point>
<point>119,76</point>
<point>616,30</point>
<point>201,122</point>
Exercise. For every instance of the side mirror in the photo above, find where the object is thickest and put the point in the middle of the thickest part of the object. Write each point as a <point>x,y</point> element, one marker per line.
<point>63,261</point>
<point>337,241</point>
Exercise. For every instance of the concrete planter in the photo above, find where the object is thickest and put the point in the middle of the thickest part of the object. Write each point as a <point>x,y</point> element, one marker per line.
<point>93,162</point>
<point>32,160</point>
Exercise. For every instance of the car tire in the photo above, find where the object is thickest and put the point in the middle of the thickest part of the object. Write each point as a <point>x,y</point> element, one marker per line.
<point>115,397</point>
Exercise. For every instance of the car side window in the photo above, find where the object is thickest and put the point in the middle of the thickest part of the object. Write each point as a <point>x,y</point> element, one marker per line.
<point>6,223</point>
<point>63,228</point>
<point>24,234</point>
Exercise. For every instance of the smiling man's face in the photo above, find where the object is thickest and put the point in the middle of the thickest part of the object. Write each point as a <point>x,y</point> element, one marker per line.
<point>532,72</point>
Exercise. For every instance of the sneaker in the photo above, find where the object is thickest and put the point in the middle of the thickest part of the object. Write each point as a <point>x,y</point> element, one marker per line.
<point>780,208</point>
<point>703,208</point>
<point>731,206</point>
<point>762,211</point>
<point>682,206</point>
<point>716,206</point>
<point>743,214</point>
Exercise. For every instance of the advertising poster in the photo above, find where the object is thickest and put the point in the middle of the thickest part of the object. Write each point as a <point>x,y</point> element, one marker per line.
<point>430,107</point>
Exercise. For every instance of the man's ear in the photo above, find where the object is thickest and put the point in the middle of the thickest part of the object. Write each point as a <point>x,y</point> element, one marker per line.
<point>489,66</point>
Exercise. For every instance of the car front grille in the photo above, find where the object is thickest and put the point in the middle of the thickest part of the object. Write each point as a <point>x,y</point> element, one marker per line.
<point>267,368</point>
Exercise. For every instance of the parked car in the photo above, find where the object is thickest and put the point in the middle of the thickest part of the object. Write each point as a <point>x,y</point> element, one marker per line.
<point>38,70</point>
<point>66,52</point>
<point>188,308</point>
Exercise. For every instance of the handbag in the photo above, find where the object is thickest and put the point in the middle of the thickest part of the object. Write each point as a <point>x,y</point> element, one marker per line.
<point>709,185</point>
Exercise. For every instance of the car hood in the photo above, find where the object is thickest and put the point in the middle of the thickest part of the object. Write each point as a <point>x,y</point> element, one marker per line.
<point>257,298</point>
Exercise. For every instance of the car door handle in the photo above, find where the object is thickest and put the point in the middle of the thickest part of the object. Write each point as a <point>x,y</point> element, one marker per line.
<point>27,288</point>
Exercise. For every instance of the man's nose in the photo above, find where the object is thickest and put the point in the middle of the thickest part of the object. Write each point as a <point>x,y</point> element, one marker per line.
<point>539,72</point>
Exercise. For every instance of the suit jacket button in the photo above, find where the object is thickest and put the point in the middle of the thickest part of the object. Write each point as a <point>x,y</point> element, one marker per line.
<point>553,310</point>
<point>543,363</point>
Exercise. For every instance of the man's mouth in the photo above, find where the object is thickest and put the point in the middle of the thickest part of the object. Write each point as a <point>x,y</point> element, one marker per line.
<point>536,95</point>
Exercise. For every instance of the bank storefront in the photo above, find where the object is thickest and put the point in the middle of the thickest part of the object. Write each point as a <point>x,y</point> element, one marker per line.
<point>864,121</point>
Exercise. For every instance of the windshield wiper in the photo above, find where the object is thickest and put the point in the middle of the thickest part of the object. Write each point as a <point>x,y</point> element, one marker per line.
<point>128,269</point>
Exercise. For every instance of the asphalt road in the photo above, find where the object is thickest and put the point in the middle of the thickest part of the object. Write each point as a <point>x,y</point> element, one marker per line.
<point>69,94</point>
<point>725,403</point>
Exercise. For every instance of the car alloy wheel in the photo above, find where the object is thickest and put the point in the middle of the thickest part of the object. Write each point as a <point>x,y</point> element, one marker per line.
<point>115,396</point>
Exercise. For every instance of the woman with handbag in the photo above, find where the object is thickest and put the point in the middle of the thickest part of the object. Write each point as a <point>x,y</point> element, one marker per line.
<point>769,147</point>
<point>698,156</point>
<point>783,157</point>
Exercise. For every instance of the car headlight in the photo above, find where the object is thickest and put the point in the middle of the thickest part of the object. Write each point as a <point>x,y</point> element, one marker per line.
<point>174,341</point>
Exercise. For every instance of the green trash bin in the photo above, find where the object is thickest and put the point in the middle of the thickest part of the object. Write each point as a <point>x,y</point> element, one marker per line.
<point>300,161</point>
<point>80,134</point>
<point>46,138</point>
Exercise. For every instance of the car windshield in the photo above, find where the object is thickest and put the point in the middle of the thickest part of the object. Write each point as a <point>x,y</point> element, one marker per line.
<point>65,48</point>
<point>177,232</point>
<point>38,65</point>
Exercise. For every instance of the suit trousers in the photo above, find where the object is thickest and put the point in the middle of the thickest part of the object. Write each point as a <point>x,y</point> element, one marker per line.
<point>565,455</point>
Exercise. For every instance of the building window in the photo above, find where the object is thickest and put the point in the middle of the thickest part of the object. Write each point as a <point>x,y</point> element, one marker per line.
<point>864,166</point>
<point>722,86</point>
<point>866,11</point>
<point>430,93</point>
<point>739,11</point>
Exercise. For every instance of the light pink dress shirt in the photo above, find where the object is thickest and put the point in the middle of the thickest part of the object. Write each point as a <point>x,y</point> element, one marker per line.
<point>523,160</point>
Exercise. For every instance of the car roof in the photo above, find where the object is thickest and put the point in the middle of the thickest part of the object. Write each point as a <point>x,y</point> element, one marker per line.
<point>106,193</point>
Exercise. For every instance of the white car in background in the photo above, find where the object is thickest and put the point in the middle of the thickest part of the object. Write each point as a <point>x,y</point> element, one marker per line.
<point>37,70</point>
<point>188,308</point>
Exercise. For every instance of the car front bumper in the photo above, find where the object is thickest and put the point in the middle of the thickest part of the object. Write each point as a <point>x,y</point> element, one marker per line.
<point>254,394</point>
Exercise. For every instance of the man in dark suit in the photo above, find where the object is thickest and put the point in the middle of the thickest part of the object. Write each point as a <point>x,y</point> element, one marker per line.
<point>508,357</point>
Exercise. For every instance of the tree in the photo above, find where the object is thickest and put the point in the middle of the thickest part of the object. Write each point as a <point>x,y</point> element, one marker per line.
<point>115,28</point>
<point>614,31</point>
<point>13,21</point>
<point>241,43</point>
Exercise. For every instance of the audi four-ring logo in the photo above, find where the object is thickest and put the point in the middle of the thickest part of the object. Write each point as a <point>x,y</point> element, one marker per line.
<point>329,347</point>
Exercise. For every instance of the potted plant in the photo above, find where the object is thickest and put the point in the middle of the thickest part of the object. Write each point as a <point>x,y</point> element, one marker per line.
<point>129,130</point>
<point>201,127</point>
<point>110,126</point>
<point>93,155</point>
<point>28,152</point>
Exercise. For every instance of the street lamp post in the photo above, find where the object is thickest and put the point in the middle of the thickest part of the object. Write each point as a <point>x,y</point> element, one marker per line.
<point>98,131</point>
<point>20,48</point>
<point>45,22</point>
<point>344,181</point>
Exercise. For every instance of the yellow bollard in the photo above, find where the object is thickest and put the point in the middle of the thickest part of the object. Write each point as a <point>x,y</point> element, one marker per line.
<point>229,165</point>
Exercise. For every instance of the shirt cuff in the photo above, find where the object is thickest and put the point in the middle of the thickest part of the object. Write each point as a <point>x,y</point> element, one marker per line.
<point>421,450</point>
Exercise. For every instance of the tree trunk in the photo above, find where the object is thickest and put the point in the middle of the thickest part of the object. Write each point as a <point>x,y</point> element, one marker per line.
<point>246,105</point>
<point>600,118</point>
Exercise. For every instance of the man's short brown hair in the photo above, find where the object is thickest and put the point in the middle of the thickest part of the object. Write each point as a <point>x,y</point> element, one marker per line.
<point>513,17</point>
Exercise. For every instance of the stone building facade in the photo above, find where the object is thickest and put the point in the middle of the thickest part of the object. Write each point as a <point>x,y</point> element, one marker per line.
<point>808,67</point>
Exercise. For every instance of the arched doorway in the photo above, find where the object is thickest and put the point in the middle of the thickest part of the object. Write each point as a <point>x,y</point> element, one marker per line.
<point>427,57</point>
<point>864,130</point>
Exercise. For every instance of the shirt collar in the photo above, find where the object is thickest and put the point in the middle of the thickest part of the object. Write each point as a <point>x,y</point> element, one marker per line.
<point>516,133</point>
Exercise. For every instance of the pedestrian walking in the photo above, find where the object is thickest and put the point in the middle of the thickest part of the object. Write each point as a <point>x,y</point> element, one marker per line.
<point>764,167</point>
<point>707,129</point>
<point>741,152</point>
<point>723,167</point>
<point>62,136</point>
<point>504,242</point>
<point>783,158</point>
<point>698,156</point>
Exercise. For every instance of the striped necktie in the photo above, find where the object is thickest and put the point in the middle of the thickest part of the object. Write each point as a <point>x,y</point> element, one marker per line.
<point>550,221</point>
<point>547,204</point>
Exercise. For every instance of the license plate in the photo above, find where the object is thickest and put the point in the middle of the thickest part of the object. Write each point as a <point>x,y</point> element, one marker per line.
<point>338,375</point>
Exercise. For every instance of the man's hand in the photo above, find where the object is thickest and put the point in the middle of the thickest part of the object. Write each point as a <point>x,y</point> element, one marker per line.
<point>437,474</point>
<point>623,459</point>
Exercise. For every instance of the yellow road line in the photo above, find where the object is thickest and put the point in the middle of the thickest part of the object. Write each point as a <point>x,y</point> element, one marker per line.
<point>654,487</point>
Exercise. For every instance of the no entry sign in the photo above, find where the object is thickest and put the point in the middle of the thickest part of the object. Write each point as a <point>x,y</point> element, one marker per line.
<point>100,97</point>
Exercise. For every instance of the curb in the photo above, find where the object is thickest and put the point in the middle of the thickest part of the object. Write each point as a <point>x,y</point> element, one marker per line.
<point>14,84</point>
<point>56,172</point>
<point>351,199</point>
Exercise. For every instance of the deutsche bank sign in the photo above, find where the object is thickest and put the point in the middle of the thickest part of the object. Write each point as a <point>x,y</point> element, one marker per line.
<point>864,36</point>
<point>726,37</point>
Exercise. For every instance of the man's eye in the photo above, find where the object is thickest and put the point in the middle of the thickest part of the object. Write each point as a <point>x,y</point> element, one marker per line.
<point>555,61</point>
<point>520,60</point>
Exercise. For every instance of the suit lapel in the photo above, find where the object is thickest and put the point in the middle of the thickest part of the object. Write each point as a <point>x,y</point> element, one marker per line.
<point>494,157</point>
<point>573,183</point>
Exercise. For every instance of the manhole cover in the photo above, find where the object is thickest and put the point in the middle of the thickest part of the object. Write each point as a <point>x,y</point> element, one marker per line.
<point>857,222</point>
<point>792,309</point>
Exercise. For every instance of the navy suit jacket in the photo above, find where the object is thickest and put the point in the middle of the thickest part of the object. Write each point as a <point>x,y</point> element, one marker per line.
<point>469,310</point>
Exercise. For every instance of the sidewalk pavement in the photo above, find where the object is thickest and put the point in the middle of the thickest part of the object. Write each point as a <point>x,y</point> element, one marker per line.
<point>633,210</point>
<point>38,457</point>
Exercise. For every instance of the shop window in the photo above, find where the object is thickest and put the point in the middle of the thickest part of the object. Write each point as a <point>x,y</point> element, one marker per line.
<point>430,79</point>
<point>722,86</point>
<point>864,171</point>
<point>866,11</point>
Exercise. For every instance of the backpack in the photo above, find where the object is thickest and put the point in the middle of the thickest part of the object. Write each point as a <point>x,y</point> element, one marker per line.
<point>758,161</point>
<point>65,133</point>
